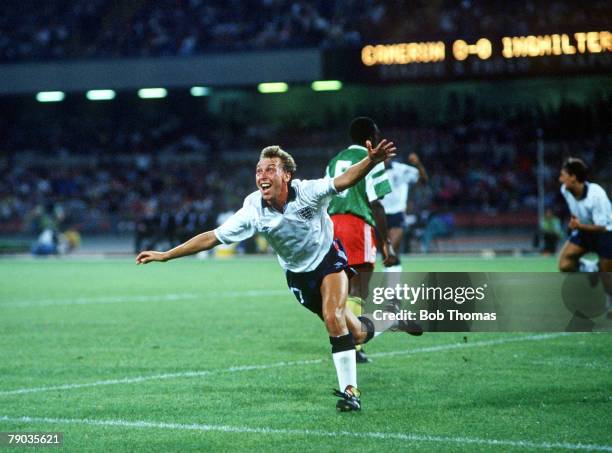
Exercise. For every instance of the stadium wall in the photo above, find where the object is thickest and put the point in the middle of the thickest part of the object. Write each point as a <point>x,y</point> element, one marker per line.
<point>212,69</point>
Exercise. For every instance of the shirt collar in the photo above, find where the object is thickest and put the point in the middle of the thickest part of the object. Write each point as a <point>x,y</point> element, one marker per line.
<point>585,191</point>
<point>357,147</point>
<point>290,197</point>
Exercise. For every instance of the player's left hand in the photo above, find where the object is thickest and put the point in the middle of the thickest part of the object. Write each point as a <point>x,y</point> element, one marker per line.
<point>384,150</point>
<point>574,223</point>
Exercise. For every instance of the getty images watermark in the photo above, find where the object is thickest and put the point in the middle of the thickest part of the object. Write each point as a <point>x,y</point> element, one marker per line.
<point>403,294</point>
<point>478,301</point>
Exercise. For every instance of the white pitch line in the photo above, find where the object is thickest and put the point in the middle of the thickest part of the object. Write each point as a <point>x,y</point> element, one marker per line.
<point>97,300</point>
<point>155,377</point>
<point>234,369</point>
<point>256,293</point>
<point>313,433</point>
<point>446,347</point>
<point>132,298</point>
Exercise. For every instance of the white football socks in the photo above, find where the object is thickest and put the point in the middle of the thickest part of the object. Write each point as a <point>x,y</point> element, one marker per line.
<point>346,368</point>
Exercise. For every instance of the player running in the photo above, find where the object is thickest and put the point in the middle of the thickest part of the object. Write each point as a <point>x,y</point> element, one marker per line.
<point>401,177</point>
<point>590,224</point>
<point>292,215</point>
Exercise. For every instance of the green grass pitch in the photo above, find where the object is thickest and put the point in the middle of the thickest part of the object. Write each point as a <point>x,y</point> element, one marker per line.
<point>212,355</point>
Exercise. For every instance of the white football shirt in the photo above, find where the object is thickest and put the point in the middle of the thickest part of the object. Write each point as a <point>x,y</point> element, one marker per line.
<point>593,208</point>
<point>400,177</point>
<point>301,235</point>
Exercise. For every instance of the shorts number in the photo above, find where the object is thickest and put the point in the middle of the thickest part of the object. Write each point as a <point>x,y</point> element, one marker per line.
<point>298,294</point>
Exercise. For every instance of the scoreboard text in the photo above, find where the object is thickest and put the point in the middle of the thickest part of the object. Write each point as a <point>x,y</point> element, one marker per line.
<point>545,54</point>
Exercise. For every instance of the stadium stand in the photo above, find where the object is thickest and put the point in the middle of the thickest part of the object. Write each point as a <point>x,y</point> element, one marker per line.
<point>96,168</point>
<point>103,173</point>
<point>141,28</point>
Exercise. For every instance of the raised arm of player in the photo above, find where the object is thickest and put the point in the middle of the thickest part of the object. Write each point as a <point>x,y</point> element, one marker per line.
<point>358,171</point>
<point>199,243</point>
<point>413,159</point>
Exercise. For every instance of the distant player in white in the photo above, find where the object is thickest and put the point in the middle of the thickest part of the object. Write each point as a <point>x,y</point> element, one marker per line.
<point>590,225</point>
<point>292,215</point>
<point>401,176</point>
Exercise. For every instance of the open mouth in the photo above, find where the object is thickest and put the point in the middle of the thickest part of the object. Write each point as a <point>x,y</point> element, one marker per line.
<point>265,186</point>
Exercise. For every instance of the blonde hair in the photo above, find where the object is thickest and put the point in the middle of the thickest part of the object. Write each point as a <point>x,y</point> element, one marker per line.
<point>270,152</point>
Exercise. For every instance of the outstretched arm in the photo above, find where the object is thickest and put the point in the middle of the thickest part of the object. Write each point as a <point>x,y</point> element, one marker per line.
<point>199,243</point>
<point>358,171</point>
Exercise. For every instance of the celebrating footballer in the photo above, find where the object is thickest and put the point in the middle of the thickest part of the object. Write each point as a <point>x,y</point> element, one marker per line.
<point>292,215</point>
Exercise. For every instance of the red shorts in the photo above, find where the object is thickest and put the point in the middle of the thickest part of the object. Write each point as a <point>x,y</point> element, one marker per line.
<point>358,238</point>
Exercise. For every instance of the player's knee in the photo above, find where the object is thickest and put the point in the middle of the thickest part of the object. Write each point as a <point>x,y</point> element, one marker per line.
<point>334,320</point>
<point>333,317</point>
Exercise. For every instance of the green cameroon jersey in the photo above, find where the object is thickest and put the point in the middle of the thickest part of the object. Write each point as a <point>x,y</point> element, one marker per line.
<point>356,200</point>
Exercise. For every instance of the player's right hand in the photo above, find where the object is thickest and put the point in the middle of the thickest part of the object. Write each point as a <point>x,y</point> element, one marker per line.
<point>148,256</point>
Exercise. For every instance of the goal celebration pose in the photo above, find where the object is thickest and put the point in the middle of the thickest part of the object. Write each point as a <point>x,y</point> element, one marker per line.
<point>292,215</point>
